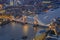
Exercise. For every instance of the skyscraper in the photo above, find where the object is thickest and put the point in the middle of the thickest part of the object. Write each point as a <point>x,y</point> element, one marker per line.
<point>17,2</point>
<point>11,2</point>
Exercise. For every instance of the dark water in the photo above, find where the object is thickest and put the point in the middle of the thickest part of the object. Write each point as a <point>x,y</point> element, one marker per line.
<point>15,31</point>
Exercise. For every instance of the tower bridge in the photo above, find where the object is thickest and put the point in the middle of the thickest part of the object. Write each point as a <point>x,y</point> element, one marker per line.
<point>25,19</point>
<point>30,20</point>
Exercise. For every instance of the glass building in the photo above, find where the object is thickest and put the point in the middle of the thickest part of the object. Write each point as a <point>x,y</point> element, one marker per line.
<point>11,2</point>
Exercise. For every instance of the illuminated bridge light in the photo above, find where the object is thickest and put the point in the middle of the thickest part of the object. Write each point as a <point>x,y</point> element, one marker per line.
<point>49,6</point>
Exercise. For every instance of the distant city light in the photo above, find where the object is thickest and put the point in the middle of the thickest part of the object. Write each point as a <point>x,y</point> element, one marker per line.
<point>46,1</point>
<point>49,6</point>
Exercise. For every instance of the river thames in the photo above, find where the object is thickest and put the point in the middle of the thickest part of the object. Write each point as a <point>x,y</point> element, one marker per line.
<point>16,31</point>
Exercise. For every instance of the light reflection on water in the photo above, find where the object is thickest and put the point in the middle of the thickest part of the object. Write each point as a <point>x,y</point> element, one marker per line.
<point>13,24</point>
<point>25,29</point>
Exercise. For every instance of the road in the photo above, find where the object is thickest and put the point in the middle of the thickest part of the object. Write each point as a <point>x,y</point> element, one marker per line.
<point>47,17</point>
